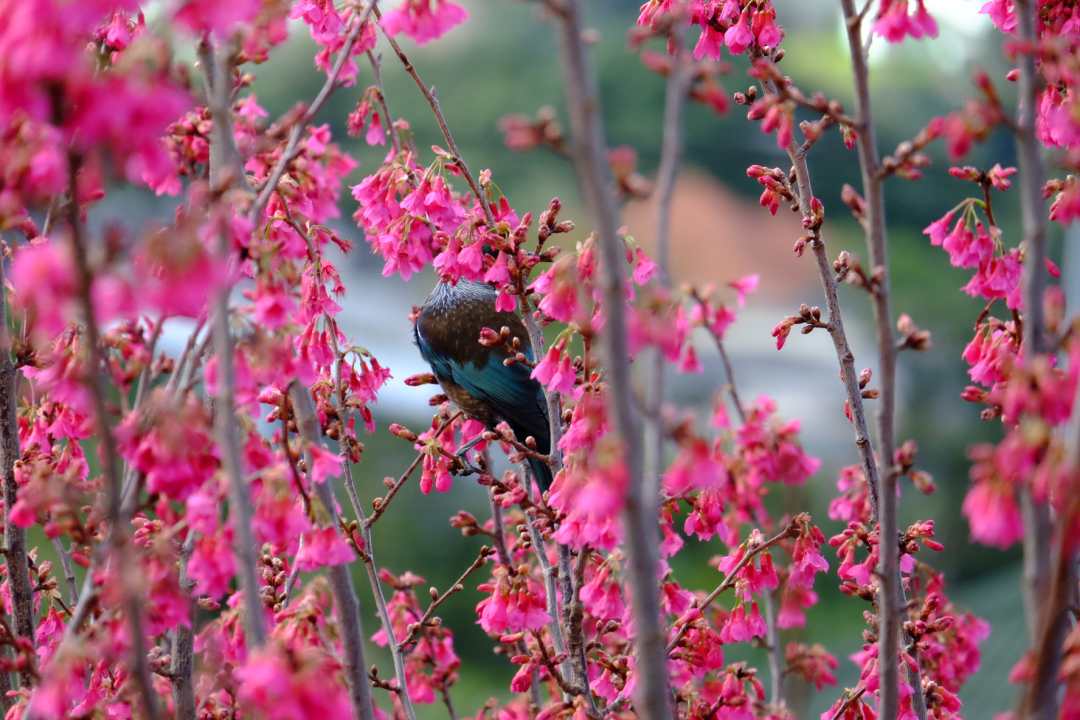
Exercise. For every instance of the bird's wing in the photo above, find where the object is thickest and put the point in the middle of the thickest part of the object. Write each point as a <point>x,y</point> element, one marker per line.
<point>508,389</point>
<point>440,364</point>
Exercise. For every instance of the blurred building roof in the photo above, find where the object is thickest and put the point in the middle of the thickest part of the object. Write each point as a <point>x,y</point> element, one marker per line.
<point>717,236</point>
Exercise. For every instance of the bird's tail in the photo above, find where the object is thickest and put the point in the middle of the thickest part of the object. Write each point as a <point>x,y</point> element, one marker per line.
<point>542,472</point>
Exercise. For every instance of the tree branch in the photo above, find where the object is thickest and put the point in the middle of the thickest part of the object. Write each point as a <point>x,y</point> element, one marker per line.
<point>225,170</point>
<point>641,511</point>
<point>550,590</point>
<point>729,370</point>
<point>183,644</point>
<point>96,385</point>
<point>1037,525</point>
<point>22,596</point>
<point>678,86</point>
<point>380,505</point>
<point>891,599</point>
<point>498,536</point>
<point>1047,621</point>
<point>340,579</point>
<point>416,628</point>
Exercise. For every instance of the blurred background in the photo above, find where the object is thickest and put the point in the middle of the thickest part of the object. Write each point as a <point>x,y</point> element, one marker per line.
<point>505,60</point>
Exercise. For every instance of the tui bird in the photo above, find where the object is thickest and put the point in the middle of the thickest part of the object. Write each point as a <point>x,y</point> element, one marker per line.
<point>447,331</point>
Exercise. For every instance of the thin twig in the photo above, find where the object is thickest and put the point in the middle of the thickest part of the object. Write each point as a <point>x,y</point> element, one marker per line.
<point>774,651</point>
<point>444,692</point>
<point>641,512</point>
<point>550,589</point>
<point>575,618</point>
<point>729,580</point>
<point>396,653</point>
<point>380,505</point>
<point>498,536</point>
<point>69,570</point>
<point>678,87</point>
<point>458,585</point>
<point>376,74</point>
<point>729,370</point>
<point>835,327</point>
<point>294,575</point>
<point>186,354</point>
<point>567,688</point>
<point>852,697</point>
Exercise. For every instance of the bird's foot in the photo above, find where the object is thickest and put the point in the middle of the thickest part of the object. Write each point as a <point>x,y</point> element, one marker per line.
<point>465,467</point>
<point>462,457</point>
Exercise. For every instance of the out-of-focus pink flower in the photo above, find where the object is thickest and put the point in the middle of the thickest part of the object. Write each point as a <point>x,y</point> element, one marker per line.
<point>644,267</point>
<point>744,286</point>
<point>558,287</point>
<point>44,282</point>
<point>211,565</point>
<point>299,682</point>
<point>696,467</point>
<point>424,20</point>
<point>323,547</point>
<point>993,513</point>
<point>203,16</point>
<point>326,465</point>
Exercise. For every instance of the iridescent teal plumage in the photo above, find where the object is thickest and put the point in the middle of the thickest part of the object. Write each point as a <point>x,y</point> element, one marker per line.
<point>447,331</point>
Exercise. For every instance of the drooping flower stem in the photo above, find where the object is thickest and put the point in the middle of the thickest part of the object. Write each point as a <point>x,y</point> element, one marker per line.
<point>293,142</point>
<point>433,102</point>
